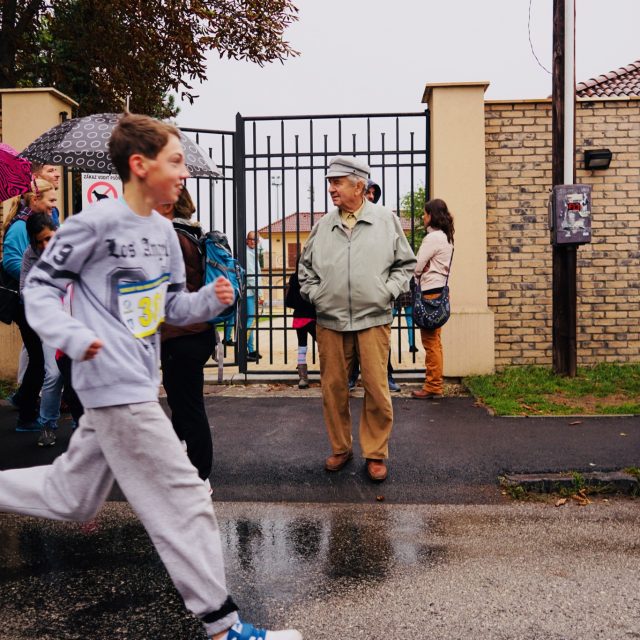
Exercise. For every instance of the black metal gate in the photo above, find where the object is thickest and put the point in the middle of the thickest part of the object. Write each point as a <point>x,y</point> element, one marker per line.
<point>274,185</point>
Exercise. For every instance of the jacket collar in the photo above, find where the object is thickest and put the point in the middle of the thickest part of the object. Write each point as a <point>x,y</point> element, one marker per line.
<point>367,215</point>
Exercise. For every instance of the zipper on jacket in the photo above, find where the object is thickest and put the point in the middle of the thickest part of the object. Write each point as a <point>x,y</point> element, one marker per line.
<point>349,280</point>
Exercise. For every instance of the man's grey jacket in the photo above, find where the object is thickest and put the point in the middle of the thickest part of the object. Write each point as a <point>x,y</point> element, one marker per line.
<point>353,280</point>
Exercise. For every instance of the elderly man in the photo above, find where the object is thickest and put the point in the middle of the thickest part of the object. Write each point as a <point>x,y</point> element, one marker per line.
<point>356,261</point>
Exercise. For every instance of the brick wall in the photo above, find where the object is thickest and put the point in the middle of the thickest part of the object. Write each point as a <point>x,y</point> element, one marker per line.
<point>518,156</point>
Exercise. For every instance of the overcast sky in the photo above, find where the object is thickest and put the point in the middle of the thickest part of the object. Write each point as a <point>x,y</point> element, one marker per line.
<point>361,56</point>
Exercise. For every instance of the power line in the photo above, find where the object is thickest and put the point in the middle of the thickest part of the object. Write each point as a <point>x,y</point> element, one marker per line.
<point>531,43</point>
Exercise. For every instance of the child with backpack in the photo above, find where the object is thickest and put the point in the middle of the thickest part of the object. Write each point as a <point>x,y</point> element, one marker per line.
<point>186,350</point>
<point>126,265</point>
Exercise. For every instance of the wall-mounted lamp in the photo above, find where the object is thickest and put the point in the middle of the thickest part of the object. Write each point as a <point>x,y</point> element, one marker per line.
<point>597,159</point>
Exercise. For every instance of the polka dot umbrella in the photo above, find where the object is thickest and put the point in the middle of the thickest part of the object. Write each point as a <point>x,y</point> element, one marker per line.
<point>81,144</point>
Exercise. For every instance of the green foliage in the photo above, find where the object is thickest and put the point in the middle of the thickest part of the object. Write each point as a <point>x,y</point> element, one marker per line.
<point>101,52</point>
<point>412,208</point>
<point>514,491</point>
<point>578,481</point>
<point>603,389</point>
<point>7,387</point>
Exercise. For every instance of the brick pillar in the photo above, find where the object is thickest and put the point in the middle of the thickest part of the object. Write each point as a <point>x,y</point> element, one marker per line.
<point>457,166</point>
<point>26,114</point>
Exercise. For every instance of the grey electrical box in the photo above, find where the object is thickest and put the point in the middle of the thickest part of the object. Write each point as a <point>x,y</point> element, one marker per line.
<point>570,214</point>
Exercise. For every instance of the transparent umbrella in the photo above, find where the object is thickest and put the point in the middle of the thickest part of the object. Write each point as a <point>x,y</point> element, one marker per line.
<point>81,144</point>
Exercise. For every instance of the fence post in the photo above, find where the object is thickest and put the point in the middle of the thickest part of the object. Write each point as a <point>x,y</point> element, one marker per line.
<point>240,226</point>
<point>458,176</point>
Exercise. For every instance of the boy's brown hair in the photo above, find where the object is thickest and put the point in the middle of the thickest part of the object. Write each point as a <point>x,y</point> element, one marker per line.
<point>137,134</point>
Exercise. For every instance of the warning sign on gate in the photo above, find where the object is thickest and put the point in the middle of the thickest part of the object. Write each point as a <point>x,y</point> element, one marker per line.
<point>99,186</point>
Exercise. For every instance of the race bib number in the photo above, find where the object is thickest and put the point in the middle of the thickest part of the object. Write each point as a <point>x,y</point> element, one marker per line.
<point>141,305</point>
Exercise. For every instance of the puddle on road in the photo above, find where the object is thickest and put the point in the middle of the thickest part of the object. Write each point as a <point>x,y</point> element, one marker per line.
<point>60,580</point>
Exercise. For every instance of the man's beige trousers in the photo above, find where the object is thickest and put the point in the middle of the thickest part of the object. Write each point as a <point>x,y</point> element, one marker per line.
<point>337,350</point>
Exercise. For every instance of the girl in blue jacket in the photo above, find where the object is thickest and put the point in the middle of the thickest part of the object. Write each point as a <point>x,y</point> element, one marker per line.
<point>41,199</point>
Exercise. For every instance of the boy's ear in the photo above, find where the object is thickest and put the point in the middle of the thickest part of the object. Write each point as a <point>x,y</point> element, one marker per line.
<point>138,165</point>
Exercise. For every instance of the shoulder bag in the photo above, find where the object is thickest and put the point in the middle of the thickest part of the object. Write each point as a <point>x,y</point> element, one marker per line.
<point>431,313</point>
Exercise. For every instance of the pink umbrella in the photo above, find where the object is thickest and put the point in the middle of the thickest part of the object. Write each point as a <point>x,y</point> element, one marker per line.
<point>15,173</point>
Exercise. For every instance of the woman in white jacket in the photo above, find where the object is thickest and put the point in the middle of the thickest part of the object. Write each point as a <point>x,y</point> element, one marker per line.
<point>432,268</point>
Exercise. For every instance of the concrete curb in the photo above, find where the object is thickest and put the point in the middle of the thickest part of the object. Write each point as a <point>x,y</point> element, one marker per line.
<point>602,482</point>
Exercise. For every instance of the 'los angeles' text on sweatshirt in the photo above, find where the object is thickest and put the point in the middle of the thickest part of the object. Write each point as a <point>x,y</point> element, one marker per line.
<point>128,277</point>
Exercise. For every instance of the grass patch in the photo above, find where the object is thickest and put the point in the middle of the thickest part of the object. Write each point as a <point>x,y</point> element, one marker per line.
<point>6,388</point>
<point>633,471</point>
<point>606,389</point>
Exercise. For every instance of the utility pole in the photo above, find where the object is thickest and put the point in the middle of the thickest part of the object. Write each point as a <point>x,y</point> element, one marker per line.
<point>563,172</point>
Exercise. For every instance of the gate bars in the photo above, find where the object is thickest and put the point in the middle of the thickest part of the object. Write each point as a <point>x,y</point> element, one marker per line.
<point>289,155</point>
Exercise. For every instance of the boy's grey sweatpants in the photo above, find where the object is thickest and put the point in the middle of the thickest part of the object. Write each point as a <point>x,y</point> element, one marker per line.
<point>136,445</point>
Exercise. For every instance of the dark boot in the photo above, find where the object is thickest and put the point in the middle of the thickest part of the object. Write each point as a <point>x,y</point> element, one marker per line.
<point>303,374</point>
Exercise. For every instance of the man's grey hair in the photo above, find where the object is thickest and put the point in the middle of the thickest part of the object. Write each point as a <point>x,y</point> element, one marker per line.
<point>357,180</point>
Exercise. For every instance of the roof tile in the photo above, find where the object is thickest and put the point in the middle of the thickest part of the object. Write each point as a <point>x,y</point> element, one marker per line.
<point>624,82</point>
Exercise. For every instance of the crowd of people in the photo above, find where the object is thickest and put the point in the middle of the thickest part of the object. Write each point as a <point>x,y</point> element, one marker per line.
<point>97,324</point>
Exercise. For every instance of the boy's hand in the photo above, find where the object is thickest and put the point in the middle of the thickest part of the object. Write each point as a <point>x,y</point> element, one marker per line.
<point>93,349</point>
<point>224,291</point>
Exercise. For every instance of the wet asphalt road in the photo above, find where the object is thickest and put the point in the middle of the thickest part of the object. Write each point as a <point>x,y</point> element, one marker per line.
<point>372,572</point>
<point>444,556</point>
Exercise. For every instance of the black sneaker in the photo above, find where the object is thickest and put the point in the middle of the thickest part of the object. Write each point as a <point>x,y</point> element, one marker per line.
<point>229,343</point>
<point>47,437</point>
<point>253,356</point>
<point>14,401</point>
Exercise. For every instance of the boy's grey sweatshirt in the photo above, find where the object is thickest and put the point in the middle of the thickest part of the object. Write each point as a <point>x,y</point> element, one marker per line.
<point>100,251</point>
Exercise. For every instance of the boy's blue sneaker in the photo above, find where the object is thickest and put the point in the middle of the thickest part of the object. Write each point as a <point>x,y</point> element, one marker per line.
<point>246,631</point>
<point>28,425</point>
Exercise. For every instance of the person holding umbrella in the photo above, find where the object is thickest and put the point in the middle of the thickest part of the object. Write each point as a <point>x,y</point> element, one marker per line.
<point>125,262</point>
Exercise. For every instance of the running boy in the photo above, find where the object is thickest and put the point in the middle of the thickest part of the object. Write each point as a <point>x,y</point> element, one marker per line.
<point>126,266</point>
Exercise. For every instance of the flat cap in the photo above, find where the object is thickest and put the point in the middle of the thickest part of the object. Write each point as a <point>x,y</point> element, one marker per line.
<point>347,166</point>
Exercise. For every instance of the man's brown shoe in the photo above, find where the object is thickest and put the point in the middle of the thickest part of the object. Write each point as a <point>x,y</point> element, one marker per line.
<point>426,395</point>
<point>377,470</point>
<point>338,460</point>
